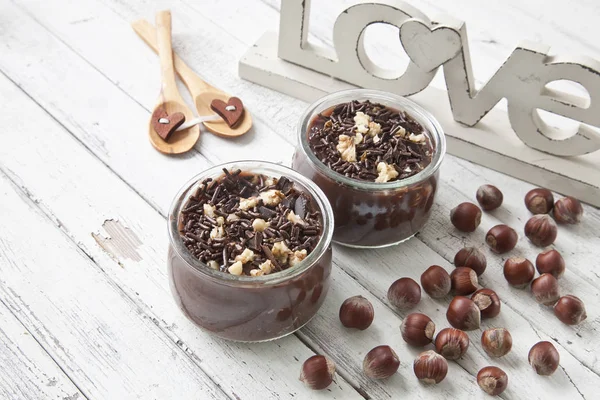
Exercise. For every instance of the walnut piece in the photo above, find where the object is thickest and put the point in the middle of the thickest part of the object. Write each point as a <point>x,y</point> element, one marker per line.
<point>236,268</point>
<point>271,197</point>
<point>347,148</point>
<point>259,225</point>
<point>232,217</point>
<point>220,221</point>
<point>400,131</point>
<point>256,272</point>
<point>246,204</point>
<point>292,217</point>
<point>246,256</point>
<point>213,264</point>
<point>420,138</point>
<point>217,232</point>
<point>209,210</point>
<point>281,252</point>
<point>374,128</point>
<point>266,267</point>
<point>297,257</point>
<point>386,172</point>
<point>358,138</point>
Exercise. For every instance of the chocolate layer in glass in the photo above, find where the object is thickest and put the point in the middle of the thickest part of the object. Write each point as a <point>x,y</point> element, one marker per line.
<point>217,266</point>
<point>382,193</point>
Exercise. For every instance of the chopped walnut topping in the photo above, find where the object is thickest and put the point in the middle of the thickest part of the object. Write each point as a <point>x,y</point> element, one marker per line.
<point>217,232</point>
<point>236,268</point>
<point>386,172</point>
<point>400,131</point>
<point>358,138</point>
<point>266,267</point>
<point>292,217</point>
<point>246,204</point>
<point>360,118</point>
<point>271,197</point>
<point>213,264</point>
<point>232,217</point>
<point>374,128</point>
<point>281,252</point>
<point>259,225</point>
<point>209,210</point>
<point>376,139</point>
<point>220,221</point>
<point>270,181</point>
<point>246,256</point>
<point>297,257</point>
<point>347,148</point>
<point>256,272</point>
<point>420,138</point>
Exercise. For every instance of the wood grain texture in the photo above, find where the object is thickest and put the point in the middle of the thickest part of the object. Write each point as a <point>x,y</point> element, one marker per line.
<point>42,45</point>
<point>79,206</point>
<point>28,371</point>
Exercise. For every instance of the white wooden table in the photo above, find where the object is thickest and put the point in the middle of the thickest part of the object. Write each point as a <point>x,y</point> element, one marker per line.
<point>85,307</point>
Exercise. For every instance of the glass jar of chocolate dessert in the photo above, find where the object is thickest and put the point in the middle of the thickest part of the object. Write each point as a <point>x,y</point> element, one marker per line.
<point>250,250</point>
<point>376,156</point>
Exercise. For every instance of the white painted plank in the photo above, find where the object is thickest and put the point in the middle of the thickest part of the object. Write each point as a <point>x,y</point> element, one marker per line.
<point>87,324</point>
<point>79,205</point>
<point>28,371</point>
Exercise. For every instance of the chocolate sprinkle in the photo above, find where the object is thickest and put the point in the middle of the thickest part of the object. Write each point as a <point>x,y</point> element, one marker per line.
<point>407,157</point>
<point>228,230</point>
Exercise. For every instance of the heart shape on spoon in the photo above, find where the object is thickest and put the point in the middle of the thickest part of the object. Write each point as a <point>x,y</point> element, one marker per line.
<point>231,112</point>
<point>429,48</point>
<point>164,124</point>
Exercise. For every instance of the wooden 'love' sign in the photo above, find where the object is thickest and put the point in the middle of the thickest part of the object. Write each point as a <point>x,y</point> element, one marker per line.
<point>517,142</point>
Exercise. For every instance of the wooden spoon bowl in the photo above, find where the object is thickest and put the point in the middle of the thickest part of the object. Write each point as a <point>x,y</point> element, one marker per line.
<point>180,141</point>
<point>220,127</point>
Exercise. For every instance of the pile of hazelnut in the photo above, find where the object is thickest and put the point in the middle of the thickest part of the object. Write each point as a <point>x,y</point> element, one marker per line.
<point>465,313</point>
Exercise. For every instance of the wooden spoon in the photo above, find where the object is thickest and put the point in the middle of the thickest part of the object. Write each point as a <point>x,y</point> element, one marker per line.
<point>202,92</point>
<point>170,100</point>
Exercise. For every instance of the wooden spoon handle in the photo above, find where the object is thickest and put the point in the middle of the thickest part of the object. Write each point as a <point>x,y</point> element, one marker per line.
<point>148,34</point>
<point>165,52</point>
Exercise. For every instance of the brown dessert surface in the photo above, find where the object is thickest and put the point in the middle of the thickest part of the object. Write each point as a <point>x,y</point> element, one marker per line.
<point>250,224</point>
<point>370,142</point>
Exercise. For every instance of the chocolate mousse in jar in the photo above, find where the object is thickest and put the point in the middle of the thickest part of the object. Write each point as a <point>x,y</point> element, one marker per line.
<point>250,250</point>
<point>376,156</point>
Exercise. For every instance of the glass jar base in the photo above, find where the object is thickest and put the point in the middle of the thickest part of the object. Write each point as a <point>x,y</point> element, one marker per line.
<point>380,246</point>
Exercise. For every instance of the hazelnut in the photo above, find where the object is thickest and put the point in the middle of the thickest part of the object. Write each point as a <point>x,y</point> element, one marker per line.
<point>430,367</point>
<point>463,314</point>
<point>570,310</point>
<point>466,217</point>
<point>501,238</point>
<point>550,262</point>
<point>489,197</point>
<point>518,271</point>
<point>317,372</point>
<point>545,289</point>
<point>471,257</point>
<point>436,281</point>
<point>539,201</point>
<point>464,281</point>
<point>492,380</point>
<point>404,294</point>
<point>417,329</point>
<point>544,358</point>
<point>496,342</point>
<point>452,343</point>
<point>541,230</point>
<point>488,302</point>
<point>568,211</point>
<point>381,362</point>
<point>357,312</point>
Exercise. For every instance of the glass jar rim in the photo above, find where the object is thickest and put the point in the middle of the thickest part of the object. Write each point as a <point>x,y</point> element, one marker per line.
<point>253,166</point>
<point>424,117</point>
